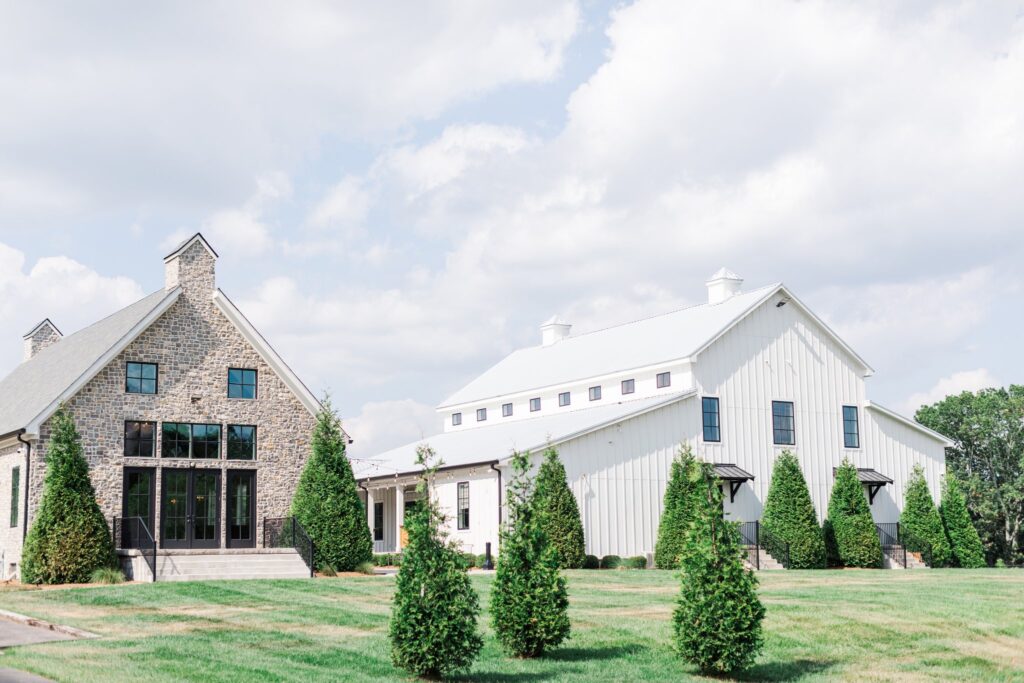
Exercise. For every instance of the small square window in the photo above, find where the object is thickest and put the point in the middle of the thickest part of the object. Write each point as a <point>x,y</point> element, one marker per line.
<point>595,393</point>
<point>205,441</point>
<point>139,439</point>
<point>241,383</point>
<point>456,419</point>
<point>628,386</point>
<point>664,379</point>
<point>176,439</point>
<point>241,442</point>
<point>564,399</point>
<point>140,378</point>
<point>506,410</point>
<point>481,414</point>
<point>534,405</point>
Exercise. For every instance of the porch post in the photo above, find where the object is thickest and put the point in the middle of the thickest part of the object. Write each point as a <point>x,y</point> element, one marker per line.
<point>399,515</point>
<point>369,512</point>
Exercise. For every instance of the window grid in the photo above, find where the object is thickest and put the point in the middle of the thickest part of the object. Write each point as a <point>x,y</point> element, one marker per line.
<point>456,419</point>
<point>534,405</point>
<point>506,410</point>
<point>378,521</point>
<point>205,441</point>
<point>463,491</point>
<point>241,442</point>
<point>242,383</point>
<point>139,439</point>
<point>712,423</point>
<point>176,440</point>
<point>851,427</point>
<point>628,386</point>
<point>595,393</point>
<point>564,399</point>
<point>664,379</point>
<point>15,494</point>
<point>140,378</point>
<point>783,423</point>
<point>481,414</point>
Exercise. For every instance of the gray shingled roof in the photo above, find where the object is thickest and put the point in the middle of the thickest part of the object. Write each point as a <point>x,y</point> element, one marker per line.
<point>38,382</point>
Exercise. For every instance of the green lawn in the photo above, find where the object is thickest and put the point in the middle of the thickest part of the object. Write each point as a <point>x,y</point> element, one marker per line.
<point>851,625</point>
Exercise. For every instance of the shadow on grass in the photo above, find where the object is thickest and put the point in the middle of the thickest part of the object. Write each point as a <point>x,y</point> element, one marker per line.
<point>784,671</point>
<point>582,654</point>
<point>565,654</point>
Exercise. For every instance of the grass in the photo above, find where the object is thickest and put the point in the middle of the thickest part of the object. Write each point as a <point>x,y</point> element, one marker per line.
<point>846,625</point>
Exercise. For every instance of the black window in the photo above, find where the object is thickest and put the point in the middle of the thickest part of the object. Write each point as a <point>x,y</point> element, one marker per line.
<point>139,439</point>
<point>463,505</point>
<point>241,442</point>
<point>506,410</point>
<point>595,393</point>
<point>851,427</point>
<point>378,522</point>
<point>783,424</point>
<point>456,419</point>
<point>628,386</point>
<point>712,431</point>
<point>140,378</point>
<point>205,441</point>
<point>664,379</point>
<point>481,414</point>
<point>563,398</point>
<point>15,494</point>
<point>241,383</point>
<point>175,440</point>
<point>534,405</point>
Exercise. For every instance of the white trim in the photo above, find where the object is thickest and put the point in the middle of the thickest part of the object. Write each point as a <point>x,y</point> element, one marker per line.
<point>44,321</point>
<point>948,443</point>
<point>188,243</point>
<point>267,352</point>
<point>35,423</point>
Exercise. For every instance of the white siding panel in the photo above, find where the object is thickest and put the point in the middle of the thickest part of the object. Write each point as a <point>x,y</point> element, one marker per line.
<point>483,507</point>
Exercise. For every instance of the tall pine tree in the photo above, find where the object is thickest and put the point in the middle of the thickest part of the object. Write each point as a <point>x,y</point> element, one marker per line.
<point>433,628</point>
<point>69,538</point>
<point>718,616</point>
<point>677,510</point>
<point>327,502</point>
<point>529,601</point>
<point>920,522</point>
<point>559,514</point>
<point>850,528</point>
<point>789,515</point>
<point>963,537</point>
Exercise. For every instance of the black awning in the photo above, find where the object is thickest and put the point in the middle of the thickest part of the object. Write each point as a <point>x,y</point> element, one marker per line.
<point>730,472</point>
<point>869,476</point>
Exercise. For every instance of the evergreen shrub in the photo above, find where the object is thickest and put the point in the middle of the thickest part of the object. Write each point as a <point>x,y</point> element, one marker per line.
<point>611,562</point>
<point>592,562</point>
<point>851,527</point>
<point>559,513</point>
<point>968,551</point>
<point>920,522</point>
<point>676,511</point>
<point>789,516</point>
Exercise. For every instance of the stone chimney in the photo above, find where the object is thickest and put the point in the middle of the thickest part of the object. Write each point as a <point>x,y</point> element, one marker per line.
<point>723,285</point>
<point>553,330</point>
<point>191,266</point>
<point>42,335</point>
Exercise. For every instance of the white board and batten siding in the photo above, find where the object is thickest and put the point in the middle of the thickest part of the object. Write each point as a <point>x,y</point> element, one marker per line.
<point>483,507</point>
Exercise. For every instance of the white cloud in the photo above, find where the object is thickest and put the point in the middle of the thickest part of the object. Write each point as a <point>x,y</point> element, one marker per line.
<point>388,424</point>
<point>345,205</point>
<point>958,382</point>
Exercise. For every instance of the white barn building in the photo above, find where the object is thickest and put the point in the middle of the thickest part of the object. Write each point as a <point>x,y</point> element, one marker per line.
<point>740,379</point>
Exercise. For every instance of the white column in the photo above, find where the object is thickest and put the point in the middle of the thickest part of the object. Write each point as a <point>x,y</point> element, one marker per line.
<point>399,516</point>
<point>369,513</point>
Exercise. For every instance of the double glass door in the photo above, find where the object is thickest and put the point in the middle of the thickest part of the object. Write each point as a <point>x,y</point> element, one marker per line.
<point>190,508</point>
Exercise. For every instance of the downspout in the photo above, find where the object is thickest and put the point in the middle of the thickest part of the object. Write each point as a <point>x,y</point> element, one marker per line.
<point>499,493</point>
<point>28,483</point>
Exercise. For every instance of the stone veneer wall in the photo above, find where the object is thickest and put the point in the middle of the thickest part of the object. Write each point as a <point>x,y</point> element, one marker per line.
<point>11,456</point>
<point>194,345</point>
<point>45,336</point>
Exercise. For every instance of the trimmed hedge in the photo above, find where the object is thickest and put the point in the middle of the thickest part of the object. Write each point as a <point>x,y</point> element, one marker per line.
<point>635,562</point>
<point>790,516</point>
<point>851,529</point>
<point>69,539</point>
<point>963,537</point>
<point>677,510</point>
<point>611,562</point>
<point>559,514</point>
<point>592,562</point>
<point>921,522</point>
<point>469,559</point>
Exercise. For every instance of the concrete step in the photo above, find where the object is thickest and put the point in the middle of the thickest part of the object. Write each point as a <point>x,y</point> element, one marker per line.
<point>891,556</point>
<point>768,563</point>
<point>255,565</point>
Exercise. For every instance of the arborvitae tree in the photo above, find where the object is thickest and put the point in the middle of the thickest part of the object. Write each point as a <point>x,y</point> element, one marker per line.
<point>963,537</point>
<point>677,510</point>
<point>327,503</point>
<point>920,520</point>
<point>529,600</point>
<point>718,616</point>
<point>69,538</point>
<point>559,514</point>
<point>850,525</point>
<point>433,627</point>
<point>789,515</point>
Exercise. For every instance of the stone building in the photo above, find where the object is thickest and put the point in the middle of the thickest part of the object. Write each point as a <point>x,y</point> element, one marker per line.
<point>195,430</point>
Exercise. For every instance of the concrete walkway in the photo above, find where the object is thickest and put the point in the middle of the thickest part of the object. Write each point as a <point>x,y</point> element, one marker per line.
<point>12,676</point>
<point>12,633</point>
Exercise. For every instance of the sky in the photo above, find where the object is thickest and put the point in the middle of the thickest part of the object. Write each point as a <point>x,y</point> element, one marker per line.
<point>401,193</point>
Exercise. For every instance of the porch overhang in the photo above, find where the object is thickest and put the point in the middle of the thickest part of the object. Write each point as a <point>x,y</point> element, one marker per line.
<point>872,479</point>
<point>734,476</point>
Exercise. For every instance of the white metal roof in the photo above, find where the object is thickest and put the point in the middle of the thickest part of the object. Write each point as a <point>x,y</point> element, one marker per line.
<point>498,441</point>
<point>636,344</point>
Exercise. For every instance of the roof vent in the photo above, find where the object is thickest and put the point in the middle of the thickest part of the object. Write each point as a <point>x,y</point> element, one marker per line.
<point>554,329</point>
<point>723,285</point>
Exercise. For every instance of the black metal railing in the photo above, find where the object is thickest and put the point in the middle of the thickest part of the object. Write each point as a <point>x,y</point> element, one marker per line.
<point>757,541</point>
<point>131,533</point>
<point>915,544</point>
<point>889,537</point>
<point>774,546</point>
<point>287,532</point>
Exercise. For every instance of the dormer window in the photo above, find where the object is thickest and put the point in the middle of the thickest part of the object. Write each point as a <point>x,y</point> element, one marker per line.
<point>481,414</point>
<point>140,378</point>
<point>534,405</point>
<point>595,393</point>
<point>628,386</point>
<point>664,379</point>
<point>564,399</point>
<point>456,419</point>
<point>506,410</point>
<point>241,383</point>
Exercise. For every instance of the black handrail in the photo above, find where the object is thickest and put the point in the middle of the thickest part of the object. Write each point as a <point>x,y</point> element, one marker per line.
<point>287,532</point>
<point>749,537</point>
<point>889,538</point>
<point>775,546</point>
<point>912,543</point>
<point>131,533</point>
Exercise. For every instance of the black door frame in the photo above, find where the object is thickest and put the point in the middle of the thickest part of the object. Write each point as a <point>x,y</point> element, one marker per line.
<point>129,531</point>
<point>190,540</point>
<point>251,541</point>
